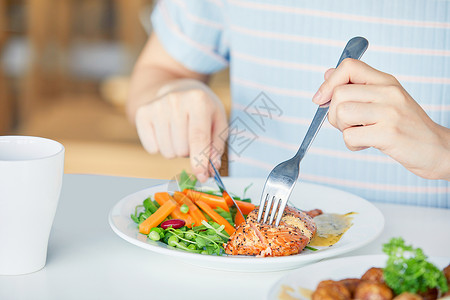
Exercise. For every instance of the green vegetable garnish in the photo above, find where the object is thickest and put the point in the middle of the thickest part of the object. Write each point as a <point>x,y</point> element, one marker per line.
<point>154,236</point>
<point>311,248</point>
<point>184,208</point>
<point>407,269</point>
<point>186,181</point>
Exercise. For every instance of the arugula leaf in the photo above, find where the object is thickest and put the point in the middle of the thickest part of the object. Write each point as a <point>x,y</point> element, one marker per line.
<point>407,269</point>
<point>135,219</point>
<point>149,205</point>
<point>225,214</point>
<point>186,181</point>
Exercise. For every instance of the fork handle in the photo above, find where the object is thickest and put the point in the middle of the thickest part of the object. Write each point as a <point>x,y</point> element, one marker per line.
<point>355,48</point>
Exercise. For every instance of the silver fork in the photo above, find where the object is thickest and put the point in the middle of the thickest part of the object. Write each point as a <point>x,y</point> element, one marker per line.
<point>282,179</point>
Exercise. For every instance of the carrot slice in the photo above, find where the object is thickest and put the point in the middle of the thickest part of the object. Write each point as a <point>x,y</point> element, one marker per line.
<point>238,219</point>
<point>163,197</point>
<point>216,217</point>
<point>194,211</point>
<point>245,207</point>
<point>157,217</point>
<point>178,214</point>
<point>212,200</point>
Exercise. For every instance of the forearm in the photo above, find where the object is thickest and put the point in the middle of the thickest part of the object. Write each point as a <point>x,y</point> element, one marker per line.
<point>146,81</point>
<point>154,69</point>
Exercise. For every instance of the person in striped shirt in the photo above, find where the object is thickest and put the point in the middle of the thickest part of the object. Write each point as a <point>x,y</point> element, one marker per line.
<point>277,52</point>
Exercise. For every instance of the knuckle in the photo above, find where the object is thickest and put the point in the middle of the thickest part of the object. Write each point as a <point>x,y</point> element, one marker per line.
<point>349,139</point>
<point>338,93</point>
<point>395,92</point>
<point>343,110</point>
<point>392,79</point>
<point>197,96</point>
<point>348,63</point>
<point>173,99</point>
<point>332,116</point>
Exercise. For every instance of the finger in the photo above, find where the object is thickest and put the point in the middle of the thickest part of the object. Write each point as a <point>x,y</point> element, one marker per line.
<point>351,71</point>
<point>164,138</point>
<point>199,141</point>
<point>161,118</point>
<point>146,131</point>
<point>362,137</point>
<point>349,114</point>
<point>357,104</point>
<point>179,131</point>
<point>219,137</point>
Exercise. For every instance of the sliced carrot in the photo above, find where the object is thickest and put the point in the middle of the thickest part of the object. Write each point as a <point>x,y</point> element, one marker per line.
<point>215,216</point>
<point>228,199</point>
<point>178,214</point>
<point>194,211</point>
<point>212,200</point>
<point>163,197</point>
<point>179,196</point>
<point>158,216</point>
<point>238,219</point>
<point>245,207</point>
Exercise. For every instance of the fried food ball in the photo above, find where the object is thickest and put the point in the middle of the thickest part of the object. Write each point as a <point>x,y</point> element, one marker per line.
<point>447,273</point>
<point>331,290</point>
<point>373,274</point>
<point>371,290</point>
<point>407,296</point>
<point>351,284</point>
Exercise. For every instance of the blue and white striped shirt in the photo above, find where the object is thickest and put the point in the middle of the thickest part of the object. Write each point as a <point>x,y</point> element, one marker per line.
<point>278,51</point>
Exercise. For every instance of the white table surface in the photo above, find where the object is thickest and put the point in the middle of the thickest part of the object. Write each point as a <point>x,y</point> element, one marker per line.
<point>86,260</point>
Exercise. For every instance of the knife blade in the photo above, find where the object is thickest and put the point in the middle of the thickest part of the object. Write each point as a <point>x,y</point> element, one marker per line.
<point>223,190</point>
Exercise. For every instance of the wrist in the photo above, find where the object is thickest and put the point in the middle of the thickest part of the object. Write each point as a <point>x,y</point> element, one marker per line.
<point>443,171</point>
<point>180,85</point>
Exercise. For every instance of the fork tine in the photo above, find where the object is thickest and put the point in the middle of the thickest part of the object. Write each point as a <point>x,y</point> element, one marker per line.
<point>268,207</point>
<point>275,210</point>
<point>281,211</point>
<point>262,204</point>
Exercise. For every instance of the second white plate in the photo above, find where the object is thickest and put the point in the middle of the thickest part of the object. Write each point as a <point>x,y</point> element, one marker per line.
<point>297,283</point>
<point>368,222</point>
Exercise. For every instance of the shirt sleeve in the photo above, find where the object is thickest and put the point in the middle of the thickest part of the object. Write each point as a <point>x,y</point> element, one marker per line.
<point>193,33</point>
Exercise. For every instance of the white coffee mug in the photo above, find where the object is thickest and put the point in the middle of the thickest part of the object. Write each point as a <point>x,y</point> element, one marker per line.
<point>31,171</point>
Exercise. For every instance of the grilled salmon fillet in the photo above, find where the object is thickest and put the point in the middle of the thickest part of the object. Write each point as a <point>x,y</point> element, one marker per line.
<point>292,235</point>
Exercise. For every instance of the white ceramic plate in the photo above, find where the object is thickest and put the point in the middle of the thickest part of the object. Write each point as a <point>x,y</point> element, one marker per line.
<point>308,277</point>
<point>367,225</point>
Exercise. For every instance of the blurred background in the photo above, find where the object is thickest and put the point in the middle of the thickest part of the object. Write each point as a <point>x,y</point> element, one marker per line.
<point>64,75</point>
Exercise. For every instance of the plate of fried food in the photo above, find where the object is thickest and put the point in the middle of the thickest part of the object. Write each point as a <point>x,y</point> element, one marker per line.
<point>404,273</point>
<point>320,222</point>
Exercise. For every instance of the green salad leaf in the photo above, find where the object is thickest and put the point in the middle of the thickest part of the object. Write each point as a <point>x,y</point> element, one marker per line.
<point>407,269</point>
<point>186,181</point>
